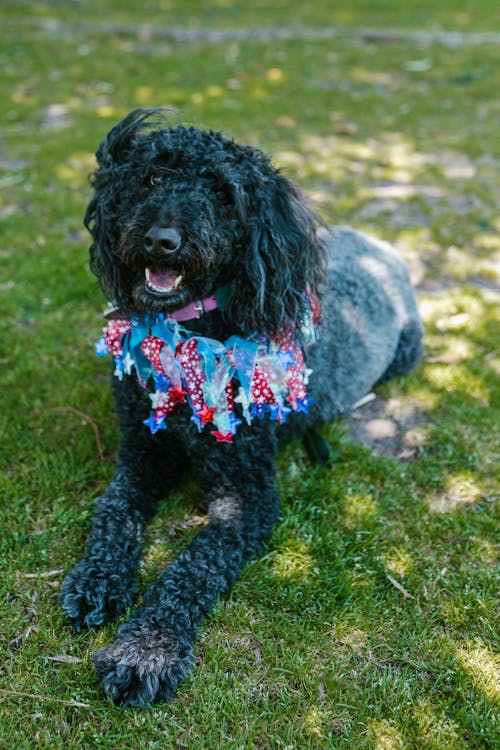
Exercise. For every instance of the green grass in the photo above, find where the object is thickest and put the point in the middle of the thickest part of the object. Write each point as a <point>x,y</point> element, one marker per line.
<point>316,647</point>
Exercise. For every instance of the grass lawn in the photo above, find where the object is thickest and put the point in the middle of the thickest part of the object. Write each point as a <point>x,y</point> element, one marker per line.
<point>370,622</point>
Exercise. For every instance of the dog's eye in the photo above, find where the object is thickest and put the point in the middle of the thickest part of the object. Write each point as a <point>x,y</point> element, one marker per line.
<point>154,180</point>
<point>222,196</point>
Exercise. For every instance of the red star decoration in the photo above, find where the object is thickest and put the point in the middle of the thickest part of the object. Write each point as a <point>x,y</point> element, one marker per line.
<point>178,394</point>
<point>222,437</point>
<point>206,414</point>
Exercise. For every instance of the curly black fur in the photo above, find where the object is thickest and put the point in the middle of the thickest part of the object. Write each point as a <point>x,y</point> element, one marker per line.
<point>232,222</point>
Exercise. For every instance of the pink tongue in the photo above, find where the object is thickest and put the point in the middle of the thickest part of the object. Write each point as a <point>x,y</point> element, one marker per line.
<point>163,279</point>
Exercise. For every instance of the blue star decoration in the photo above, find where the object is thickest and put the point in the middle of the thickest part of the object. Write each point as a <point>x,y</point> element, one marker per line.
<point>279,412</point>
<point>303,404</point>
<point>258,410</point>
<point>234,422</point>
<point>155,424</point>
<point>274,411</point>
<point>197,421</point>
<point>101,347</point>
<point>118,368</point>
<point>161,382</point>
<point>286,359</point>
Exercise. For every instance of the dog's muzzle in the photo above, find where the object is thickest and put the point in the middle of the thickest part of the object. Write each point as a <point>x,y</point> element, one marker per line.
<point>162,245</point>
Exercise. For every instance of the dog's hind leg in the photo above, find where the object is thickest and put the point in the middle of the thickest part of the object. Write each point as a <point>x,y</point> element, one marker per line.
<point>103,584</point>
<point>153,651</point>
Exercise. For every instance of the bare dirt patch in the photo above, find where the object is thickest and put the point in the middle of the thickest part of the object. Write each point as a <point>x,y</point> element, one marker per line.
<point>390,427</point>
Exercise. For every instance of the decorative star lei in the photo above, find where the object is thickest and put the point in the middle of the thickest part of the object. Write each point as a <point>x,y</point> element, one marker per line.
<point>261,375</point>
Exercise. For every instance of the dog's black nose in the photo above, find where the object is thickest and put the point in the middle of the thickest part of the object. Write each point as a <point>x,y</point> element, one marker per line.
<point>162,240</point>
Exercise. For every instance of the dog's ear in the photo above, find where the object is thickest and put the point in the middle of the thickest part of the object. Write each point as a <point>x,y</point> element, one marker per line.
<point>282,259</point>
<point>101,217</point>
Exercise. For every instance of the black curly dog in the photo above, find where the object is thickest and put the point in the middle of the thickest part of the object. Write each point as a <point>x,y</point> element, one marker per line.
<point>218,215</point>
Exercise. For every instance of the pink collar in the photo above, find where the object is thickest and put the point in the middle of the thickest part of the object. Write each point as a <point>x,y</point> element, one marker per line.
<point>195,309</point>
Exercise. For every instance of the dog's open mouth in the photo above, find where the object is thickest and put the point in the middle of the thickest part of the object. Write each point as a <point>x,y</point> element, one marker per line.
<point>163,282</point>
<point>162,289</point>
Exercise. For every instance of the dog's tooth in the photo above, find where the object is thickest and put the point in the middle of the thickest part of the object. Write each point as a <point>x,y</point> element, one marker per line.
<point>177,281</point>
<point>147,273</point>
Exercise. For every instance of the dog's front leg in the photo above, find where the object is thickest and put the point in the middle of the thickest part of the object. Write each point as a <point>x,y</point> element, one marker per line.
<point>103,584</point>
<point>153,651</point>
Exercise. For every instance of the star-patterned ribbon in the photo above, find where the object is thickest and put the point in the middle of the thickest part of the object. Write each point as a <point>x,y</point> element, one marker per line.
<point>261,375</point>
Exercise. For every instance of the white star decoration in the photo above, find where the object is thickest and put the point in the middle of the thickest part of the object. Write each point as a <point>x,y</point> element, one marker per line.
<point>307,372</point>
<point>242,399</point>
<point>128,363</point>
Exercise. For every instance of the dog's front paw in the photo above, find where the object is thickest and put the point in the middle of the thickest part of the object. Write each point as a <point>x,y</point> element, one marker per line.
<point>143,667</point>
<point>96,592</point>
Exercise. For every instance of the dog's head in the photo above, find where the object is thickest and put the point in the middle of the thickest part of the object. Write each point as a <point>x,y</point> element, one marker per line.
<point>179,213</point>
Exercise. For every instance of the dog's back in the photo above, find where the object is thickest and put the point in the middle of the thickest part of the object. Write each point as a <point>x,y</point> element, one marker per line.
<point>371,328</point>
